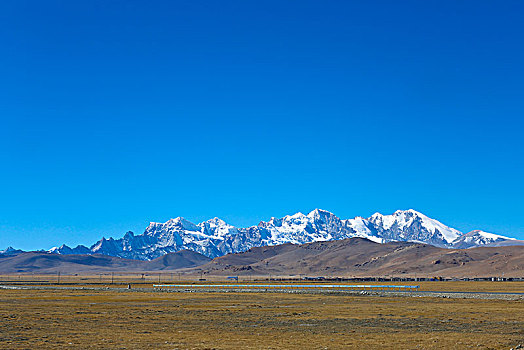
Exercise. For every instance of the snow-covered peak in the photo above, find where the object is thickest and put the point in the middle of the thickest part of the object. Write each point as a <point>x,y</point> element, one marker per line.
<point>292,221</point>
<point>215,222</point>
<point>10,250</point>
<point>65,249</point>
<point>103,245</point>
<point>272,222</point>
<point>318,213</point>
<point>412,225</point>
<point>57,250</point>
<point>487,235</point>
<point>182,223</point>
<point>215,237</point>
<point>477,238</point>
<point>298,220</point>
<point>216,227</point>
<point>296,216</point>
<point>179,223</point>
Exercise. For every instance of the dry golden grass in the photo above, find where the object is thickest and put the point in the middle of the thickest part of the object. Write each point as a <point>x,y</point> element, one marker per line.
<point>39,319</point>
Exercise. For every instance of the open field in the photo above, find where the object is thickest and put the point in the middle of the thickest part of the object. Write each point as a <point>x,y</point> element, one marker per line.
<point>93,319</point>
<point>148,280</point>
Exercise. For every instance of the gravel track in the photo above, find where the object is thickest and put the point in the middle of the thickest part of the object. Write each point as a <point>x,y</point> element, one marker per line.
<point>375,293</point>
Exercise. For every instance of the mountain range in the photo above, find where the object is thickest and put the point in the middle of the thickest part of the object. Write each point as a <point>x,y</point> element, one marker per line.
<point>46,263</point>
<point>351,257</point>
<point>214,238</point>
<point>360,257</point>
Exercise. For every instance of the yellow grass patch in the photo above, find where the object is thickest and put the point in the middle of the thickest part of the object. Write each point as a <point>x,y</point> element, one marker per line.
<point>125,320</point>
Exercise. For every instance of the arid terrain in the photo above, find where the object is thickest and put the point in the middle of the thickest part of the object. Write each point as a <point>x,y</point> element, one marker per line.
<point>41,262</point>
<point>361,257</point>
<point>50,301</point>
<point>354,257</point>
<point>128,319</point>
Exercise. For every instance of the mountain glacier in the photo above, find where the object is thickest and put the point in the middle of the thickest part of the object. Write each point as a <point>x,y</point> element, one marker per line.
<point>215,237</point>
<point>477,238</point>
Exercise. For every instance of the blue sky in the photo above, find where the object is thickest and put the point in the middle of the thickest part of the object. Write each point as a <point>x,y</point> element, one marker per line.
<point>115,114</point>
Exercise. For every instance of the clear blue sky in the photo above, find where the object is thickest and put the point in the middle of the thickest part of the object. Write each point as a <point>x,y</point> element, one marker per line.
<point>118,113</point>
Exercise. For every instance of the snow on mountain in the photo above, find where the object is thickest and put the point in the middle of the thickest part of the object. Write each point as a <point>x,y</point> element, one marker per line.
<point>506,243</point>
<point>318,225</point>
<point>10,251</point>
<point>363,228</point>
<point>478,238</point>
<point>64,249</point>
<point>410,225</point>
<point>215,237</point>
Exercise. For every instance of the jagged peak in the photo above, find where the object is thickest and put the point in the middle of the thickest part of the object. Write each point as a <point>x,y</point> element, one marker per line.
<point>472,233</point>
<point>216,221</point>
<point>400,213</point>
<point>376,215</point>
<point>215,237</point>
<point>409,211</point>
<point>9,250</point>
<point>485,234</point>
<point>274,221</point>
<point>58,249</point>
<point>295,216</point>
<point>178,221</point>
<point>319,212</point>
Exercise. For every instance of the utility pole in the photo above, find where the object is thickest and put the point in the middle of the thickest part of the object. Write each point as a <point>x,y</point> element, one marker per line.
<point>112,277</point>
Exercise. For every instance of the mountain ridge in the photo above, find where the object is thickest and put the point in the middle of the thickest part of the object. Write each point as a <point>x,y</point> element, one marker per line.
<point>352,257</point>
<point>360,257</point>
<point>215,237</point>
<point>44,262</point>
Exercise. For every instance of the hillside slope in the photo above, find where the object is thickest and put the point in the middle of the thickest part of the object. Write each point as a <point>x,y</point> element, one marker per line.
<point>362,257</point>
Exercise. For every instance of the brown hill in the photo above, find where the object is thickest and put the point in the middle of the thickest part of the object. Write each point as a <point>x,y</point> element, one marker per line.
<point>38,262</point>
<point>354,257</point>
<point>178,260</point>
<point>360,257</point>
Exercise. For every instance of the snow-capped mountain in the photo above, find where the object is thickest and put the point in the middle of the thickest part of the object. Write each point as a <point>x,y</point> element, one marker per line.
<point>10,251</point>
<point>215,237</point>
<point>64,249</point>
<point>410,225</point>
<point>478,238</point>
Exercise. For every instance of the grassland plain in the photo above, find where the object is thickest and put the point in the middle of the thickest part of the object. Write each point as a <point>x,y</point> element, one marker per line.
<point>105,319</point>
